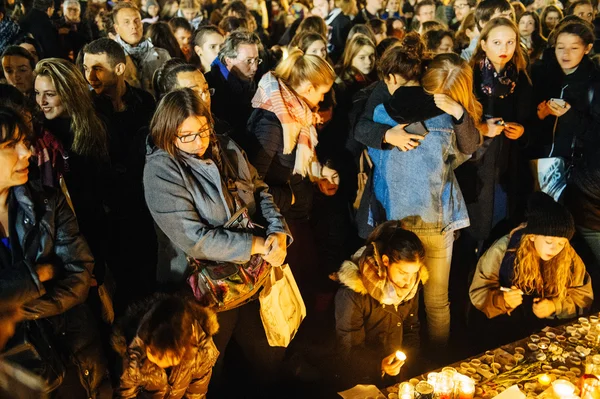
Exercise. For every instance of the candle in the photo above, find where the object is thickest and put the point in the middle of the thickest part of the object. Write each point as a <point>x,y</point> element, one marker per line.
<point>544,380</point>
<point>466,388</point>
<point>400,356</point>
<point>563,388</point>
<point>406,390</point>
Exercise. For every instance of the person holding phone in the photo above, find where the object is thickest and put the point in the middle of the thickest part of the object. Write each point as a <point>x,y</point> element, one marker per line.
<point>532,275</point>
<point>425,163</point>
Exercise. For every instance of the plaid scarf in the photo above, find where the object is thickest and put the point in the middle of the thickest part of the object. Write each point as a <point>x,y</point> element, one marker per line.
<point>375,280</point>
<point>297,121</point>
<point>138,52</point>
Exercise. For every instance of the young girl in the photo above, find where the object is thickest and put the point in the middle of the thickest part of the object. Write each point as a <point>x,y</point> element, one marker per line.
<point>357,67</point>
<point>167,347</point>
<point>376,309</point>
<point>190,10</point>
<point>392,9</point>
<point>207,43</point>
<point>311,43</point>
<point>533,273</point>
<point>531,37</point>
<point>182,30</point>
<point>549,19</point>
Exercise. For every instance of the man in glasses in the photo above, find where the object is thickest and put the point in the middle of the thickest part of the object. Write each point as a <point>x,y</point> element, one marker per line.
<point>232,76</point>
<point>461,9</point>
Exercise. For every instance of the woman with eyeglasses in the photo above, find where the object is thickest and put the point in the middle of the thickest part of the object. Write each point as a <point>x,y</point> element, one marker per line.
<point>194,182</point>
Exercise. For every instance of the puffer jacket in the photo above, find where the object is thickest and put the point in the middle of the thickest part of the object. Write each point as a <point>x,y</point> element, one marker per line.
<point>143,379</point>
<point>367,331</point>
<point>187,202</point>
<point>42,218</point>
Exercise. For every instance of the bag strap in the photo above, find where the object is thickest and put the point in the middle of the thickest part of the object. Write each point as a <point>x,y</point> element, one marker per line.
<point>364,156</point>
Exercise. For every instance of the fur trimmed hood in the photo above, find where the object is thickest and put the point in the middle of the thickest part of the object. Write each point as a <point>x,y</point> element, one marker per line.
<point>125,328</point>
<point>349,275</point>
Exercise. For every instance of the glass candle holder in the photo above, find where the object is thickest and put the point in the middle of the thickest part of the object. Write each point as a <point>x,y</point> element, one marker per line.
<point>424,390</point>
<point>465,388</point>
<point>563,388</point>
<point>406,390</point>
<point>544,380</point>
<point>444,388</point>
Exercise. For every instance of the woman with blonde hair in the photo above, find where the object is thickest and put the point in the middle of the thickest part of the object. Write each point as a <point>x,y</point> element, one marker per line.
<point>357,68</point>
<point>533,274</point>
<point>426,129</point>
<point>284,135</point>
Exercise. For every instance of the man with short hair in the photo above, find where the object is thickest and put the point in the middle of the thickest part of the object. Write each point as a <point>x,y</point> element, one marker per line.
<point>132,109</point>
<point>37,23</point>
<point>18,65</point>
<point>145,59</point>
<point>424,12</point>
<point>370,11</point>
<point>583,9</point>
<point>461,9</point>
<point>232,77</point>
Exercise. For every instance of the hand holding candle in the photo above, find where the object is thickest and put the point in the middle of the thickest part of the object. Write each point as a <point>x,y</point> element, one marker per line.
<point>391,364</point>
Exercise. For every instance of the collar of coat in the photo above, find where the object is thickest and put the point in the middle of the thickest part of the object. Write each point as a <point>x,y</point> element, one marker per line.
<point>349,275</point>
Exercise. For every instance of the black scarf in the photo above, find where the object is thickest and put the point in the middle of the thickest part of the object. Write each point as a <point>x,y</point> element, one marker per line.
<point>494,84</point>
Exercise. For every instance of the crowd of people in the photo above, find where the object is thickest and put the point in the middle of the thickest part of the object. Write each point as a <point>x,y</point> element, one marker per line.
<point>380,150</point>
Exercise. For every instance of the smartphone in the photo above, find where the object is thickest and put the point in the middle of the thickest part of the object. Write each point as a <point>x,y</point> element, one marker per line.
<point>501,122</point>
<point>417,128</point>
<point>559,101</point>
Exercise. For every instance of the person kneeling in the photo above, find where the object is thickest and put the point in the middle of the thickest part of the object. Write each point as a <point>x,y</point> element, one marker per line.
<point>533,274</point>
<point>376,309</point>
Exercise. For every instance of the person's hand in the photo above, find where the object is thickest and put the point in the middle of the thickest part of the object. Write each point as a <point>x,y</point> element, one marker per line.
<point>543,308</point>
<point>398,137</point>
<point>326,187</point>
<point>45,272</point>
<point>258,246</point>
<point>448,105</point>
<point>556,109</point>
<point>513,298</point>
<point>276,249</point>
<point>493,128</point>
<point>391,365</point>
<point>513,130</point>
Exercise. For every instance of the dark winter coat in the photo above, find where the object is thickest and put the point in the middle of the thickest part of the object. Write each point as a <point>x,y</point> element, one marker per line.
<point>143,379</point>
<point>40,216</point>
<point>39,25</point>
<point>368,331</point>
<point>275,168</point>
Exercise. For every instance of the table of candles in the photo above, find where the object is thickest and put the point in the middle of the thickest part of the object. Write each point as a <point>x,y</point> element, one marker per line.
<point>556,363</point>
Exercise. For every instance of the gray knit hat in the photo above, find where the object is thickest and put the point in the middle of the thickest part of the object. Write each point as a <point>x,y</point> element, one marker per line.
<point>547,217</point>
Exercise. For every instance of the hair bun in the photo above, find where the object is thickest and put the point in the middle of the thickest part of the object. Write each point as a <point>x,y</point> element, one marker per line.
<point>413,45</point>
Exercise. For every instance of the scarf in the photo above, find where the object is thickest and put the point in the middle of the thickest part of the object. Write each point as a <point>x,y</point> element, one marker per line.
<point>51,159</point>
<point>375,280</point>
<point>297,120</point>
<point>138,52</point>
<point>494,84</point>
<point>9,30</point>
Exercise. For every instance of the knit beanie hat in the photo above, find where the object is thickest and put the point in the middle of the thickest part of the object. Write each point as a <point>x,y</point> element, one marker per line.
<point>547,217</point>
<point>151,3</point>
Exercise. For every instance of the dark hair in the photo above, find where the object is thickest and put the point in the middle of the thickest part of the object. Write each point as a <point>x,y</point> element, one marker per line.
<point>538,41</point>
<point>167,326</point>
<point>313,23</point>
<point>377,25</point>
<point>486,9</point>
<point>397,244</point>
<point>42,5</point>
<point>180,23</point>
<point>422,4</point>
<point>30,40</point>
<point>547,10</point>
<point>304,40</point>
<point>114,52</point>
<point>433,38</point>
<point>161,35</point>
<point>172,110</point>
<point>581,29</point>
<point>18,51</point>
<point>230,24</point>
<point>169,79</point>
<point>390,24</point>
<point>238,7</point>
<point>158,79</point>
<point>12,126</point>
<point>360,29</point>
<point>574,4</point>
<point>518,8</point>
<point>405,60</point>
<point>386,44</point>
<point>204,30</point>
<point>122,5</point>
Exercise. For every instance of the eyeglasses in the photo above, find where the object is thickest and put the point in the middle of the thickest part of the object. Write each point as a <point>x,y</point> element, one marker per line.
<point>190,138</point>
<point>252,61</point>
<point>460,6</point>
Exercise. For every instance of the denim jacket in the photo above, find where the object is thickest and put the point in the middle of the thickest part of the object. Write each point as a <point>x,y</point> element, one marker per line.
<point>419,186</point>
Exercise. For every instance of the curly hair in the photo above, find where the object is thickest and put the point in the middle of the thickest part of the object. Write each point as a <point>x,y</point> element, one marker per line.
<point>550,279</point>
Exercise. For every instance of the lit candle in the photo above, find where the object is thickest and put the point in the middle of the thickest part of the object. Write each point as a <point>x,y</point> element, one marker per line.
<point>466,388</point>
<point>563,388</point>
<point>544,380</point>
<point>406,390</point>
<point>400,356</point>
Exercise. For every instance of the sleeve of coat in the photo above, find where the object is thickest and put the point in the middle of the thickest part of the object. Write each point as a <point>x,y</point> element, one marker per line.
<point>269,135</point>
<point>198,387</point>
<point>172,207</point>
<point>468,137</point>
<point>74,261</point>
<point>411,340</point>
<point>579,295</point>
<point>485,291</point>
<point>366,131</point>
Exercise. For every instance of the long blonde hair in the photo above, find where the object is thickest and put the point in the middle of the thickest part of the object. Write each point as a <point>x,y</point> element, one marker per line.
<point>451,75</point>
<point>298,68</point>
<point>90,137</point>
<point>345,69</point>
<point>550,279</point>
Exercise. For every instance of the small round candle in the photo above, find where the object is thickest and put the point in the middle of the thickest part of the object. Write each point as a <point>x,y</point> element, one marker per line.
<point>544,380</point>
<point>400,356</point>
<point>563,388</point>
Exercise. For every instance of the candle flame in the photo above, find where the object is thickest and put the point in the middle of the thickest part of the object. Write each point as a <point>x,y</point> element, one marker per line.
<point>400,356</point>
<point>544,379</point>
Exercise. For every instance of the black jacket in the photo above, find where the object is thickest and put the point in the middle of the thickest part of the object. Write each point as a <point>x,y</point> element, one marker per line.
<point>38,24</point>
<point>275,168</point>
<point>340,28</point>
<point>43,229</point>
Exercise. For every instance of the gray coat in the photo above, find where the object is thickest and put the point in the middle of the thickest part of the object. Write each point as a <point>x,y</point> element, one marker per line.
<point>186,200</point>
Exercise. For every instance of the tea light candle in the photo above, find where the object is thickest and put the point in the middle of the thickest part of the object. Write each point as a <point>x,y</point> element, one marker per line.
<point>563,388</point>
<point>400,356</point>
<point>544,380</point>
<point>406,390</point>
<point>466,388</point>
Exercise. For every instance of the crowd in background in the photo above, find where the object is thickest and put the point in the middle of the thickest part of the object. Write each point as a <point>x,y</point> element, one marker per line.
<point>390,152</point>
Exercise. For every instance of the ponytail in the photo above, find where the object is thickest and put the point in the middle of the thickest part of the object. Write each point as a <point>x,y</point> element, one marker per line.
<point>298,68</point>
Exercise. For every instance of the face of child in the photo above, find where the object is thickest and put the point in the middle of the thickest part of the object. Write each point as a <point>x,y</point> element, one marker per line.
<point>500,45</point>
<point>570,50</point>
<point>364,61</point>
<point>548,247</point>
